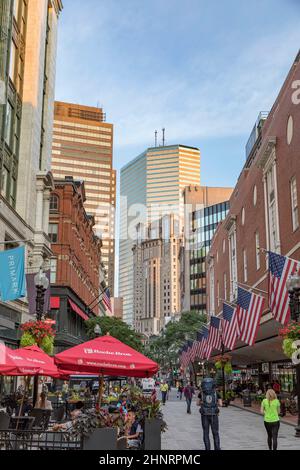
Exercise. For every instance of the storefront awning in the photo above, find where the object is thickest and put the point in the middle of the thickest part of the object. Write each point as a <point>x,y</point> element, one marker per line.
<point>54,303</point>
<point>77,310</point>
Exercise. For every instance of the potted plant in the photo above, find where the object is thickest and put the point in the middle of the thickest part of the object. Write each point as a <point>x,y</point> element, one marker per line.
<point>98,430</point>
<point>148,411</point>
<point>38,333</point>
<point>290,334</point>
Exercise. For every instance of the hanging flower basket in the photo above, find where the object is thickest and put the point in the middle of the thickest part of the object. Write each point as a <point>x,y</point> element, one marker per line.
<point>38,333</point>
<point>223,361</point>
<point>290,334</point>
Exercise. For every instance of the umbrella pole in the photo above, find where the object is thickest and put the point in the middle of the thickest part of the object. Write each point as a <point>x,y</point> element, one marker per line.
<point>100,392</point>
<point>27,380</point>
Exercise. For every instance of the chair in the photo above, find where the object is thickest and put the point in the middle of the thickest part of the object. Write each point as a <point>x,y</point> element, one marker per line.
<point>58,414</point>
<point>42,418</point>
<point>4,421</point>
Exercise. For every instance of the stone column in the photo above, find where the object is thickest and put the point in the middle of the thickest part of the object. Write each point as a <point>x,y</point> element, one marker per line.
<point>39,206</point>
<point>46,211</point>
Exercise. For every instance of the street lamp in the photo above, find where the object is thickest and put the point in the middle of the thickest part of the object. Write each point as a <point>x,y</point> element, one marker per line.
<point>41,283</point>
<point>97,330</point>
<point>293,286</point>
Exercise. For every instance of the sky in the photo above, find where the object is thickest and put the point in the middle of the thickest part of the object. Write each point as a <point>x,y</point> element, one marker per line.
<point>201,69</point>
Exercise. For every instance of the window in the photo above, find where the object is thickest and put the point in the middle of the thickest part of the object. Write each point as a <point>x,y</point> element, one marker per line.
<point>243,216</point>
<point>257,251</point>
<point>53,233</point>
<point>12,62</point>
<point>16,9</point>
<point>272,210</point>
<point>294,203</point>
<point>233,264</point>
<point>211,290</point>
<point>224,245</point>
<point>225,286</point>
<point>53,269</point>
<point>254,196</point>
<point>4,181</point>
<point>218,293</point>
<point>8,124</point>
<point>290,130</point>
<point>245,266</point>
<point>54,203</point>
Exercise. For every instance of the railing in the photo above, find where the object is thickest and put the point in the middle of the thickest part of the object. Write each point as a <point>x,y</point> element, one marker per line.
<point>33,440</point>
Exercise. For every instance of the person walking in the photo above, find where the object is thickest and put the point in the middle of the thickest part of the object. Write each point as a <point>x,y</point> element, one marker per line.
<point>188,392</point>
<point>164,388</point>
<point>180,391</point>
<point>270,408</point>
<point>209,401</point>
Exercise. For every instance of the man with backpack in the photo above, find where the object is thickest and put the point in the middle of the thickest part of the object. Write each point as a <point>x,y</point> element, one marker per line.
<point>209,401</point>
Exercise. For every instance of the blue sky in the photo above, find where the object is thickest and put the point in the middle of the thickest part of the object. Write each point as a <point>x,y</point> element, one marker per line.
<point>201,69</point>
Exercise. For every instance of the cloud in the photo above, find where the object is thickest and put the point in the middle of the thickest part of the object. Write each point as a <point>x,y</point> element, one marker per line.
<point>198,86</point>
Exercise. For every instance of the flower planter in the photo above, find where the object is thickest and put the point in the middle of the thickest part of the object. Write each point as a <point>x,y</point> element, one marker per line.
<point>101,439</point>
<point>152,434</point>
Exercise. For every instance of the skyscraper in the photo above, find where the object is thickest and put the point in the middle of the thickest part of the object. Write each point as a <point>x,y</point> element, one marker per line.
<point>83,148</point>
<point>28,38</point>
<point>152,186</point>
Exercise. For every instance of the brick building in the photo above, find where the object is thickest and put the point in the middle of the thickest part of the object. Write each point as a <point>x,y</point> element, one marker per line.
<point>263,213</point>
<point>75,277</point>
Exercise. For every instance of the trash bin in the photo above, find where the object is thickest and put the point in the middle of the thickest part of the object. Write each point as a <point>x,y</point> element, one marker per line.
<point>247,401</point>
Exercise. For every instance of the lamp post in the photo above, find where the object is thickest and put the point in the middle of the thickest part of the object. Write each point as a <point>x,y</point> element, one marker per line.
<point>41,283</point>
<point>223,368</point>
<point>98,333</point>
<point>293,285</point>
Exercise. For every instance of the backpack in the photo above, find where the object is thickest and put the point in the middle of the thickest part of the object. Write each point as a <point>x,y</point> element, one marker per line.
<point>209,406</point>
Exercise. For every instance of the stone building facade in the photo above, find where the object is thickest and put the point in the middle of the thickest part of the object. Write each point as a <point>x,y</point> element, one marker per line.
<point>156,275</point>
<point>264,213</point>
<point>28,38</point>
<point>75,277</point>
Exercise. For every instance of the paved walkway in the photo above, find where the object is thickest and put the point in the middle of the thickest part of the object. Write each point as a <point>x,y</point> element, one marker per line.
<point>240,430</point>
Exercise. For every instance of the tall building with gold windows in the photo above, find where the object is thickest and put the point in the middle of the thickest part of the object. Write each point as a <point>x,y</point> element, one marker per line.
<point>28,40</point>
<point>83,148</point>
<point>152,186</point>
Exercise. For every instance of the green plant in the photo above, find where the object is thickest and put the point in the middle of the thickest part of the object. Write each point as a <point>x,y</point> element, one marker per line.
<point>38,333</point>
<point>290,334</point>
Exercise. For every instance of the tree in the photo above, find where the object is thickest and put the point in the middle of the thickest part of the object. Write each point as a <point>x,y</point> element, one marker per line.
<point>164,348</point>
<point>116,328</point>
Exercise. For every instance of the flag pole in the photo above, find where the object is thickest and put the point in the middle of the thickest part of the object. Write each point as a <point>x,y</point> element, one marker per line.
<point>264,250</point>
<point>251,288</point>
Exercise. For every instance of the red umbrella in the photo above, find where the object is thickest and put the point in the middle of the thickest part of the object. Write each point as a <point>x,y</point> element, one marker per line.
<point>105,356</point>
<point>28,361</point>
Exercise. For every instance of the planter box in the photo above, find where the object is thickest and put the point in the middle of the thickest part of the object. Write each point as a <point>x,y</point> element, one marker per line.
<point>152,434</point>
<point>101,439</point>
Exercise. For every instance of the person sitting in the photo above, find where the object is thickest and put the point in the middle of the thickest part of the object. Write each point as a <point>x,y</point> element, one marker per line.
<point>43,403</point>
<point>133,430</point>
<point>75,414</point>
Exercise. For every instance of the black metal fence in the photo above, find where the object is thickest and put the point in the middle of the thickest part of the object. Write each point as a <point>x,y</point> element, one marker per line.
<point>31,440</point>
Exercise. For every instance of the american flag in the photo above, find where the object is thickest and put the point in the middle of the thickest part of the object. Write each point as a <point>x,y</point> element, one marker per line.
<point>250,308</point>
<point>280,268</point>
<point>189,352</point>
<point>106,300</point>
<point>205,348</point>
<point>193,353</point>
<point>214,339</point>
<point>230,326</point>
<point>184,356</point>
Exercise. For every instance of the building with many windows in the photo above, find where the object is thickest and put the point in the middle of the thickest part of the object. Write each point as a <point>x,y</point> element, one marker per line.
<point>263,216</point>
<point>152,186</point>
<point>75,275</point>
<point>206,207</point>
<point>28,37</point>
<point>156,275</point>
<point>83,148</point>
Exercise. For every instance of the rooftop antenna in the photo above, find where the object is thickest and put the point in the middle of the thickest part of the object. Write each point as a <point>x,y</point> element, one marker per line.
<point>164,140</point>
<point>155,138</point>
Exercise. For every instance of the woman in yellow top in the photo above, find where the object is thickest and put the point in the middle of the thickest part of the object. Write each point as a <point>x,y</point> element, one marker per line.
<point>270,408</point>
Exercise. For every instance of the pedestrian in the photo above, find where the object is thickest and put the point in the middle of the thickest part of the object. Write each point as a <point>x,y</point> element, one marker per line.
<point>43,403</point>
<point>270,408</point>
<point>209,401</point>
<point>188,392</point>
<point>164,391</point>
<point>180,391</point>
